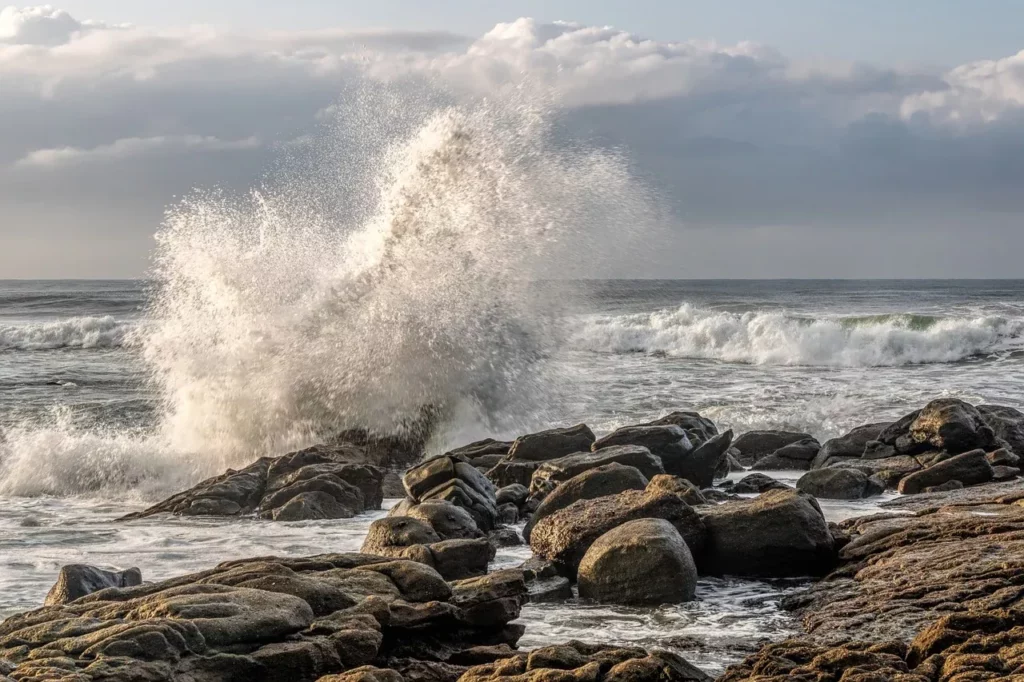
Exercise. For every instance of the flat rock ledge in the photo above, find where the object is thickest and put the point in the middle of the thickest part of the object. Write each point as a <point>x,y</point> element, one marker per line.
<point>930,595</point>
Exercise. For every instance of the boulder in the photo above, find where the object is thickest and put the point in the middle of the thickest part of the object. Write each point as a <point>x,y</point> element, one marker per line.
<point>643,562</point>
<point>454,480</point>
<point>78,580</point>
<point>551,444</point>
<point>794,456</point>
<point>1003,457</point>
<point>449,521</point>
<point>679,486</point>
<point>553,589</point>
<point>753,445</point>
<point>970,468</point>
<point>506,473</point>
<point>670,443</point>
<point>781,533</point>
<point>314,505</point>
<point>565,536</point>
<point>840,484</point>
<point>1007,423</point>
<point>1004,473</point>
<point>397,531</point>
<point>699,429</point>
<point>945,424</point>
<point>848,446</point>
<point>607,479</point>
<point>482,448</point>
<point>550,474</point>
<point>513,494</point>
<point>755,484</point>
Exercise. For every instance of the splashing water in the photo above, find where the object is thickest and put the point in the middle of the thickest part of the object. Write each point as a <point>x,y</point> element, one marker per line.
<point>391,268</point>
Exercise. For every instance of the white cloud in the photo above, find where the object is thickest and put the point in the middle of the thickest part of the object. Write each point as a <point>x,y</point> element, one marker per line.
<point>132,147</point>
<point>42,25</point>
<point>975,93</point>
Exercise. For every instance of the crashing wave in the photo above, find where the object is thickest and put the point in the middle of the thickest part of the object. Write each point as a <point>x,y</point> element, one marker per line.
<point>775,338</point>
<point>73,332</point>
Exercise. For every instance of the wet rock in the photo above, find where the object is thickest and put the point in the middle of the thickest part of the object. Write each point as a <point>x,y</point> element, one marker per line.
<point>1002,473</point>
<point>1007,423</point>
<point>715,495</point>
<point>945,424</point>
<point>78,580</point>
<point>269,486</point>
<point>970,468</point>
<point>397,531</point>
<point>840,484</point>
<point>756,484</point>
<point>848,446</point>
<point>482,448</point>
<point>781,533</point>
<point>699,429</point>
<point>607,479</point>
<point>449,521</point>
<point>703,464</point>
<point>507,473</point>
<point>754,445</point>
<point>795,456</point>
<point>1003,457</point>
<point>513,494</point>
<point>553,589</point>
<point>458,559</point>
<point>366,673</point>
<point>670,443</point>
<point>644,561</point>
<point>728,465</point>
<point>456,481</point>
<point>944,487</point>
<point>565,536</point>
<point>551,474</point>
<point>508,515</point>
<point>552,444</point>
<point>505,537</point>
<point>680,486</point>
<point>890,470</point>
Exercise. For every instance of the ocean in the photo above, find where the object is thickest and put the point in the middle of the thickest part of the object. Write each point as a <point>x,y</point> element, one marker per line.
<point>94,425</point>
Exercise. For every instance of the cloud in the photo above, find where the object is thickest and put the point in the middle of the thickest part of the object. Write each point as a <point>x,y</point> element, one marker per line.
<point>734,136</point>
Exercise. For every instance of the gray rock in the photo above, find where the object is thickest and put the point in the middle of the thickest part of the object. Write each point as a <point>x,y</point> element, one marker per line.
<point>699,429</point>
<point>553,589</point>
<point>781,533</point>
<point>670,443</point>
<point>1003,457</point>
<point>513,494</point>
<point>944,487</point>
<point>78,580</point>
<point>449,521</point>
<point>678,485</point>
<point>506,473</point>
<point>1005,473</point>
<point>644,561</point>
<point>565,536</point>
<point>608,479</point>
<point>840,484</point>
<point>550,474</point>
<point>848,446</point>
<point>552,444</point>
<point>397,531</point>
<point>945,424</point>
<point>795,456</point>
<point>753,445</point>
<point>756,484</point>
<point>970,468</point>
<point>311,506</point>
<point>1007,423</point>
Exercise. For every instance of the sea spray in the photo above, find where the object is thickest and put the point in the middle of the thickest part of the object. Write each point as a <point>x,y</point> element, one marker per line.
<point>395,264</point>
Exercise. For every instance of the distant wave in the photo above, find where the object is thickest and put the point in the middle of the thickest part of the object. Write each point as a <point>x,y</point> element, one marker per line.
<point>773,338</point>
<point>72,332</point>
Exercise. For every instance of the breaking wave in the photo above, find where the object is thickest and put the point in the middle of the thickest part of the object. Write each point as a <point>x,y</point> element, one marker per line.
<point>74,332</point>
<point>775,338</point>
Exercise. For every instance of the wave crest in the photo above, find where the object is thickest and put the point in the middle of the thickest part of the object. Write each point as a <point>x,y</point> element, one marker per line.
<point>775,338</point>
<point>72,332</point>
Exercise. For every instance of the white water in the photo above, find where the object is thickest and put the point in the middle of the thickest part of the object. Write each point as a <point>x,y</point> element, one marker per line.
<point>775,338</point>
<point>74,332</point>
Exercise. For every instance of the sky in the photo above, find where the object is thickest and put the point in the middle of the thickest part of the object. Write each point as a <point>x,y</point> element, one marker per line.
<point>801,138</point>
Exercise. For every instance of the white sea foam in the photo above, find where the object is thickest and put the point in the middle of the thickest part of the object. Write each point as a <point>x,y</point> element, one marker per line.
<point>775,338</point>
<point>387,271</point>
<point>73,332</point>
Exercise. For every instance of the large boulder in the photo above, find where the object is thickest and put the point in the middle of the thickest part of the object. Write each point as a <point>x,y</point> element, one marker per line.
<point>449,521</point>
<point>754,445</point>
<point>552,444</point>
<point>699,429</point>
<point>840,484</point>
<point>668,442</point>
<point>848,446</point>
<point>1007,423</point>
<point>945,424</point>
<point>644,561</point>
<point>564,537</point>
<point>781,533</point>
<point>795,456</point>
<point>78,580</point>
<point>397,531</point>
<point>550,474</point>
<point>607,479</point>
<point>970,468</point>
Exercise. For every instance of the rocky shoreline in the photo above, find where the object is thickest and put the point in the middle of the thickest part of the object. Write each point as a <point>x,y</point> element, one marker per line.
<point>929,591</point>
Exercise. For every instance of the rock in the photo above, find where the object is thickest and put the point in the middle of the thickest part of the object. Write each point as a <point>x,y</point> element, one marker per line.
<point>699,429</point>
<point>795,456</point>
<point>754,445</point>
<point>1003,457</point>
<point>366,673</point>
<point>945,424</point>
<point>679,486</point>
<point>78,580</point>
<point>506,473</point>
<point>1003,473</point>
<point>513,494</point>
<point>715,495</point>
<point>607,479</point>
<point>670,443</point>
<point>508,515</point>
<point>890,469</point>
<point>781,533</point>
<point>944,487</point>
<point>505,537</point>
<point>481,448</point>
<point>565,536</point>
<point>644,561</point>
<point>848,446</point>
<point>550,474</point>
<point>840,484</point>
<point>270,486</point>
<point>448,521</point>
<point>1008,425</point>
<point>970,468</point>
<point>757,484</point>
<point>456,481</point>
<point>702,465</point>
<point>397,531</point>
<point>552,444</point>
<point>728,465</point>
<point>458,559</point>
